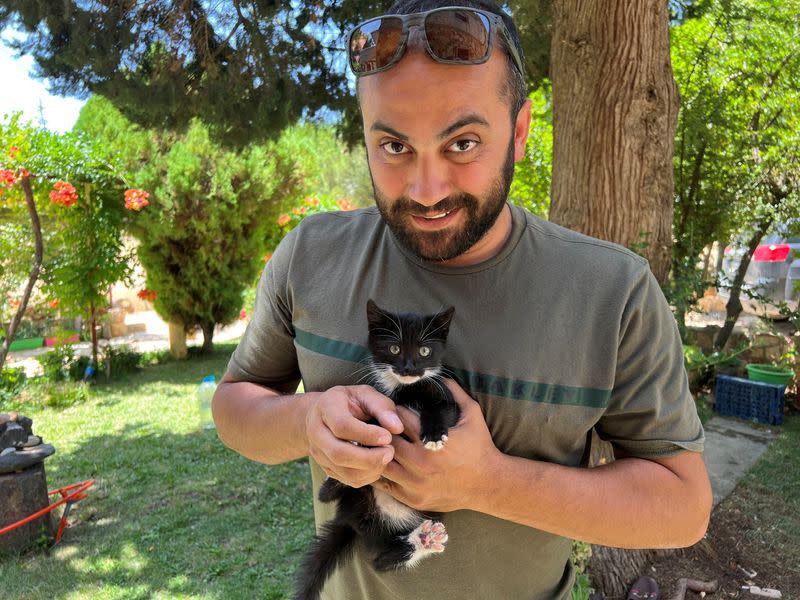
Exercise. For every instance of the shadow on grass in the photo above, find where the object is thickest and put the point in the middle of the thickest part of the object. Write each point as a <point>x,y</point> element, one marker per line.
<point>170,516</point>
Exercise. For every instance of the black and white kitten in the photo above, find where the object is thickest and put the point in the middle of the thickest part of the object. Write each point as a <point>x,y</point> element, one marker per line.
<point>406,366</point>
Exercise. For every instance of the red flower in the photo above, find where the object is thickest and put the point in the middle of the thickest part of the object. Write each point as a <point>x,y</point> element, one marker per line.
<point>23,173</point>
<point>267,256</point>
<point>63,193</point>
<point>345,204</point>
<point>136,199</point>
<point>7,177</point>
<point>299,210</point>
<point>312,201</point>
<point>243,314</point>
<point>284,219</point>
<point>54,303</point>
<point>12,152</point>
<point>147,295</point>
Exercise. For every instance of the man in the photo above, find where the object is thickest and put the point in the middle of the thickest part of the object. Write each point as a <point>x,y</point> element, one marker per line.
<point>555,335</point>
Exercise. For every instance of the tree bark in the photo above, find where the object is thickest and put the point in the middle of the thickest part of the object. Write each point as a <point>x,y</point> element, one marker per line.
<point>615,107</point>
<point>35,269</point>
<point>208,336</point>
<point>24,493</point>
<point>177,340</point>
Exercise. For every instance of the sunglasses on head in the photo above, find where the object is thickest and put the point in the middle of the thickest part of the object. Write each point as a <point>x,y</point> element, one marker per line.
<point>452,35</point>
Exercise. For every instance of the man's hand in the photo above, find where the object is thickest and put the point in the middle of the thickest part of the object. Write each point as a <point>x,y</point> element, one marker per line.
<point>451,478</point>
<point>338,418</point>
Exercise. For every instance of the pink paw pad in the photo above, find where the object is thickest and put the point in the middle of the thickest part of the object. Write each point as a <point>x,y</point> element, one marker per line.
<point>432,536</point>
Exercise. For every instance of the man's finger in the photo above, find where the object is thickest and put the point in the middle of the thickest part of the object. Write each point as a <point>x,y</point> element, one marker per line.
<point>345,426</point>
<point>410,421</point>
<point>373,404</point>
<point>345,454</point>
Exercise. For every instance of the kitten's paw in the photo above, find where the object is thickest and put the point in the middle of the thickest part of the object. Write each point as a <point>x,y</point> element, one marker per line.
<point>434,441</point>
<point>435,445</point>
<point>430,536</point>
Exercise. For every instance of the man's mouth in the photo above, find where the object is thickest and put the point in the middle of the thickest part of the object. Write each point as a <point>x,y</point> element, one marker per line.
<point>435,221</point>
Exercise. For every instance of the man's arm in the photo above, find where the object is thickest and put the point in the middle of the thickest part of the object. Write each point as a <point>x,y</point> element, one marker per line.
<point>263,425</point>
<point>629,503</point>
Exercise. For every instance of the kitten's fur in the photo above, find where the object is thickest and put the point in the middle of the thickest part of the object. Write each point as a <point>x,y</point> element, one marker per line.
<point>396,535</point>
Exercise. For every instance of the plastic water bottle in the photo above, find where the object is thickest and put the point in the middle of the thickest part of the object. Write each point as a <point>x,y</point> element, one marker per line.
<point>205,392</point>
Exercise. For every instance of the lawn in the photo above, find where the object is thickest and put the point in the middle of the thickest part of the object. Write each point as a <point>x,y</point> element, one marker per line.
<point>173,513</point>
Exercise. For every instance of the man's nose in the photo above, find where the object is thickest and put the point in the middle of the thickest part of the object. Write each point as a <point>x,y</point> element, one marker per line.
<point>429,181</point>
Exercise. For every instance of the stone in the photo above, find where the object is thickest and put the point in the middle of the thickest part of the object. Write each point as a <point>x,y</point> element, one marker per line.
<point>24,494</point>
<point>9,450</point>
<point>33,440</point>
<point>12,434</point>
<point>26,423</point>
<point>27,457</point>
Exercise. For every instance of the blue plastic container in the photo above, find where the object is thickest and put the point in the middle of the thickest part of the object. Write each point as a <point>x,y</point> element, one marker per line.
<point>750,400</point>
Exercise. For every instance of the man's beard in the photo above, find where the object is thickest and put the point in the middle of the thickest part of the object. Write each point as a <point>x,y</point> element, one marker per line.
<point>447,244</point>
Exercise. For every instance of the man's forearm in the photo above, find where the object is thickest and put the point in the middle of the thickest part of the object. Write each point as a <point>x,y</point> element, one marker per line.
<point>629,503</point>
<point>261,424</point>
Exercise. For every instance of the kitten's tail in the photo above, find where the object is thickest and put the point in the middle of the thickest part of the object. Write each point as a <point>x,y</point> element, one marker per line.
<point>330,549</point>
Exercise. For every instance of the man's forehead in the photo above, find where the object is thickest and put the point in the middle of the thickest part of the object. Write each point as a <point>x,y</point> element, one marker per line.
<point>419,91</point>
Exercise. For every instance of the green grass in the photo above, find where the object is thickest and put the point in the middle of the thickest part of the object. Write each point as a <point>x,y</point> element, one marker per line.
<point>173,513</point>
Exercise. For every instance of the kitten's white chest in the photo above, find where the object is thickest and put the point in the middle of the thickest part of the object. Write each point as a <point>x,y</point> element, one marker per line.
<point>395,513</point>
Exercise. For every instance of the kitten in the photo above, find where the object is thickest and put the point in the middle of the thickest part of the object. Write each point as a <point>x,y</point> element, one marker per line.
<point>406,352</point>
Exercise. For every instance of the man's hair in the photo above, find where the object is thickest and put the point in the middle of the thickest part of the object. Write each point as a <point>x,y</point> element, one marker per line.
<point>515,88</point>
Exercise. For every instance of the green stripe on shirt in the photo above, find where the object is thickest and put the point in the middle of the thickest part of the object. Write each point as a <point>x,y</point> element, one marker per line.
<point>516,389</point>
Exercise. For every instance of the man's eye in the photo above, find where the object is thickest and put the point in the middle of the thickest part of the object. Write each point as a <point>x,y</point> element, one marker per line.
<point>463,145</point>
<point>395,148</point>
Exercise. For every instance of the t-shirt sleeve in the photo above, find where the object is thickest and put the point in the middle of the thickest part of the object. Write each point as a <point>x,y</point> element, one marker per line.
<point>266,353</point>
<point>651,412</point>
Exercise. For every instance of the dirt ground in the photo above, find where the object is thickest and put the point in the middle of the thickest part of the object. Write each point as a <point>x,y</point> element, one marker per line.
<point>734,540</point>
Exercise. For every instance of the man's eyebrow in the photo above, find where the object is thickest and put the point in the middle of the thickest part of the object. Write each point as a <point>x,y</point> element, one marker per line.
<point>470,119</point>
<point>381,126</point>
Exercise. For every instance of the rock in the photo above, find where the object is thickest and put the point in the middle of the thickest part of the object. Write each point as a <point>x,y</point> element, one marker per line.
<point>9,450</point>
<point>26,423</point>
<point>22,459</point>
<point>33,440</point>
<point>12,434</point>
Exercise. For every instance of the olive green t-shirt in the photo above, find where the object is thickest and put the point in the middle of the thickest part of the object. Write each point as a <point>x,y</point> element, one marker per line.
<point>556,335</point>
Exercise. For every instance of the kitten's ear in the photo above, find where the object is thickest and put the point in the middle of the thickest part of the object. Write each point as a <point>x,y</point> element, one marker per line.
<point>440,323</point>
<point>374,314</point>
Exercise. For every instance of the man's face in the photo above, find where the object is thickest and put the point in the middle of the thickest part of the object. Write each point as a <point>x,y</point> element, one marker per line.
<point>441,150</point>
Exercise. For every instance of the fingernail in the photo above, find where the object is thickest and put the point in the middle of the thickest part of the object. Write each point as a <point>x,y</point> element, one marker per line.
<point>394,420</point>
<point>387,458</point>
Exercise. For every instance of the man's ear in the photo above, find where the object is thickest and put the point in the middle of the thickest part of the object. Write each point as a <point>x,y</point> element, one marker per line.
<point>522,127</point>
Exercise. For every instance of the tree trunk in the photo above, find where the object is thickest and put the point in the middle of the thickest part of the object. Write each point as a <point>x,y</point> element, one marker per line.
<point>34,274</point>
<point>177,340</point>
<point>208,336</point>
<point>615,107</point>
<point>734,306</point>
<point>24,493</point>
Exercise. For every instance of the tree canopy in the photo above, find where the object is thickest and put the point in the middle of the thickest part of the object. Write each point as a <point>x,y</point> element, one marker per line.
<point>247,68</point>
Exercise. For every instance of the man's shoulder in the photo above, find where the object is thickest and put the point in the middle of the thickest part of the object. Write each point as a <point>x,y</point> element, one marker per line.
<point>335,225</point>
<point>566,247</point>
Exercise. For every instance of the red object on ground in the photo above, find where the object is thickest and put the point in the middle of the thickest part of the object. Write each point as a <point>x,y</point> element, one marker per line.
<point>68,496</point>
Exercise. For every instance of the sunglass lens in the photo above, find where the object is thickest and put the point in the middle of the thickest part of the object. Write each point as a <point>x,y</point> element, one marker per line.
<point>458,35</point>
<point>375,44</point>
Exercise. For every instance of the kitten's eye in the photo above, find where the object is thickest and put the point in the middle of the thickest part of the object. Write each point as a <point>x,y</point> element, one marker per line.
<point>424,351</point>
<point>394,349</point>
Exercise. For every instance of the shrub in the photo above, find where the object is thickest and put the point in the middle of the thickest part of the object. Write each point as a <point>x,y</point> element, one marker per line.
<point>66,394</point>
<point>11,383</point>
<point>58,364</point>
<point>119,360</point>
